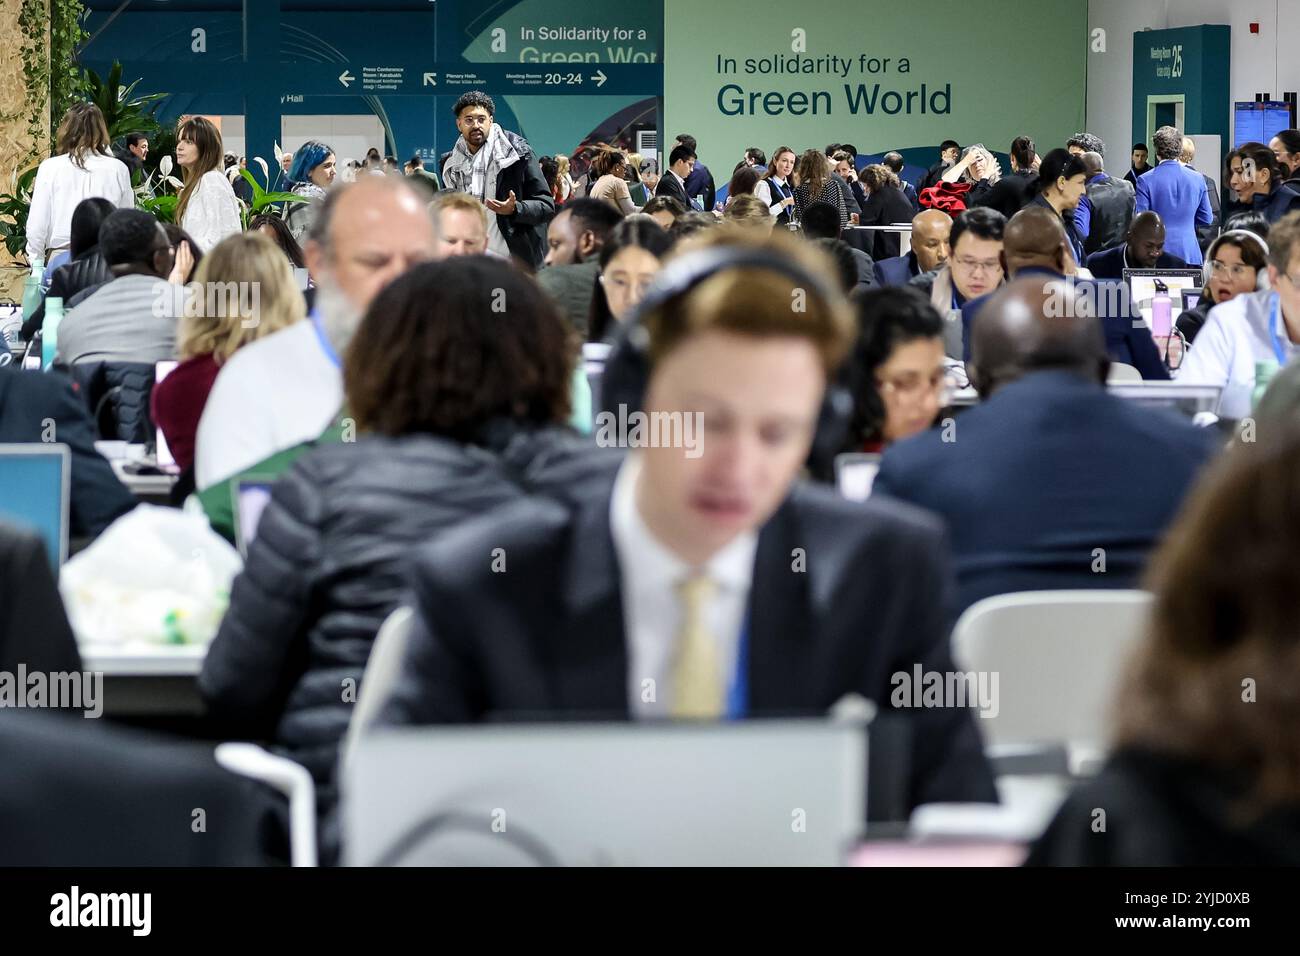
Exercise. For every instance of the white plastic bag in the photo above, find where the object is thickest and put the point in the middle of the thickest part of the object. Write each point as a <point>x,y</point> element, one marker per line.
<point>156,575</point>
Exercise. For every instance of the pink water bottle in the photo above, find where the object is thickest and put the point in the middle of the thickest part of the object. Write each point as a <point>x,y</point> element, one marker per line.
<point>1162,319</point>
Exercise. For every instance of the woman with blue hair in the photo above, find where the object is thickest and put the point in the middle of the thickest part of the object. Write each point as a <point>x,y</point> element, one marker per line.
<point>311,173</point>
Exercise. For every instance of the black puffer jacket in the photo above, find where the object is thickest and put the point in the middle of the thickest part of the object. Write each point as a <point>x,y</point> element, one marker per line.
<point>117,398</point>
<point>327,567</point>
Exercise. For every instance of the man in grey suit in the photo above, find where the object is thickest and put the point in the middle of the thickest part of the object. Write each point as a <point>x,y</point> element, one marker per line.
<point>132,317</point>
<point>702,580</point>
<point>574,239</point>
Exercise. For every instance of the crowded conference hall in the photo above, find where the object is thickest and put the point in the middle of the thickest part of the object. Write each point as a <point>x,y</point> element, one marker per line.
<point>606,444</point>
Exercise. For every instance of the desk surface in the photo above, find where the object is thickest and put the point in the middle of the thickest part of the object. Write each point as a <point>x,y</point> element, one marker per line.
<point>144,660</point>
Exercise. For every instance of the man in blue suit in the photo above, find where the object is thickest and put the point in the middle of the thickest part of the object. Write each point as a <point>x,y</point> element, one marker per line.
<point>1034,245</point>
<point>930,250</point>
<point>1050,482</point>
<point>1178,194</point>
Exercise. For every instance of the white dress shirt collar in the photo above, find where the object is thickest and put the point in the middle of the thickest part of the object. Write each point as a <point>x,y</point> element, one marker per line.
<point>649,576</point>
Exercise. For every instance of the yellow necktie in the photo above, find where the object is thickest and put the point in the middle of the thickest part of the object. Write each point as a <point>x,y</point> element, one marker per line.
<point>697,674</point>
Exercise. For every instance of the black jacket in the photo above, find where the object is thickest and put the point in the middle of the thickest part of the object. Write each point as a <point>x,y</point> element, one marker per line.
<point>1008,195</point>
<point>86,272</point>
<point>28,400</point>
<point>1165,810</point>
<point>117,396</point>
<point>1112,202</point>
<point>670,186</point>
<point>1193,320</point>
<point>327,567</point>
<point>548,640</point>
<point>525,231</point>
<point>34,628</point>
<point>884,207</point>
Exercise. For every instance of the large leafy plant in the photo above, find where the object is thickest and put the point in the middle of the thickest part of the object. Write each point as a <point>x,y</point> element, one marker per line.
<point>263,199</point>
<point>123,112</point>
<point>14,206</point>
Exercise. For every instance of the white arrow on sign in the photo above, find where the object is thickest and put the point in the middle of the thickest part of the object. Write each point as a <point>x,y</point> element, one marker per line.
<point>346,78</point>
<point>599,78</point>
<point>431,79</point>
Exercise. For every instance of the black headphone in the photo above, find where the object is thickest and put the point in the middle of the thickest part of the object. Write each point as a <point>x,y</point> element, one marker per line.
<point>627,367</point>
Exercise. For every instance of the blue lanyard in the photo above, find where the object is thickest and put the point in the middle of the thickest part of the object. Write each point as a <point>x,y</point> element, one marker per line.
<point>1278,350</point>
<point>326,346</point>
<point>738,692</point>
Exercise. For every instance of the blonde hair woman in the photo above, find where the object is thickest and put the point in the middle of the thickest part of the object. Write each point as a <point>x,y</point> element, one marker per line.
<point>82,169</point>
<point>207,208</point>
<point>563,188</point>
<point>243,290</point>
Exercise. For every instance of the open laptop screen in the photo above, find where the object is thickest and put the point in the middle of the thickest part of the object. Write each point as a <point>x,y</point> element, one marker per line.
<point>35,484</point>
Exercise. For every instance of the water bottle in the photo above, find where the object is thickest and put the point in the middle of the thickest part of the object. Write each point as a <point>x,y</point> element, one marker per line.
<point>1264,372</point>
<point>32,288</point>
<point>1161,312</point>
<point>50,330</point>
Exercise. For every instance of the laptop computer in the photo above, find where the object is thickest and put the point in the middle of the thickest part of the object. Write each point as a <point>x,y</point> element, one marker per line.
<point>36,493</point>
<point>252,495</point>
<point>761,792</point>
<point>1142,287</point>
<point>162,454</point>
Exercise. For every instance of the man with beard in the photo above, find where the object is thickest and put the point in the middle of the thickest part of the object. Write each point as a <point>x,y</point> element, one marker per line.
<point>500,170</point>
<point>286,388</point>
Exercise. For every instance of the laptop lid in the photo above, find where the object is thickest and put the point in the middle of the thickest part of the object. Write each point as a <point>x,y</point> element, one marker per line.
<point>744,793</point>
<point>162,453</point>
<point>855,473</point>
<point>36,493</point>
<point>252,495</point>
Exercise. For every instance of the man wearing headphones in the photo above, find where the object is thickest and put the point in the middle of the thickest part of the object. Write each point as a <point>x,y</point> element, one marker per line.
<point>1259,327</point>
<point>699,579</point>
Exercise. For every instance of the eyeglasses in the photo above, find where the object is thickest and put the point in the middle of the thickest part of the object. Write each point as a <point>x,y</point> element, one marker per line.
<point>1236,271</point>
<point>913,387</point>
<point>635,286</point>
<point>986,266</point>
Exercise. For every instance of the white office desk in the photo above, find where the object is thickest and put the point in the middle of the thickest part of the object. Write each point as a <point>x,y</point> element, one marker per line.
<point>144,660</point>
<point>155,681</point>
<point>904,231</point>
<point>119,455</point>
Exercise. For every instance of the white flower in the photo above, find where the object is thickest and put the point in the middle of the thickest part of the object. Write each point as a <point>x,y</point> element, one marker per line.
<point>165,165</point>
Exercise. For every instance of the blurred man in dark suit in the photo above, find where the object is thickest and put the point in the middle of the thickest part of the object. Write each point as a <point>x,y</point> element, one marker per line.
<point>1050,482</point>
<point>666,588</point>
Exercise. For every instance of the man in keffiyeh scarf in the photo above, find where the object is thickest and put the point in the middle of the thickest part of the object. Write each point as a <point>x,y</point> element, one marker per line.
<point>483,155</point>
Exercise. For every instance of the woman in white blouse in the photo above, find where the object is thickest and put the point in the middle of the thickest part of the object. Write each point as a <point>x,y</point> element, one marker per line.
<point>207,208</point>
<point>83,168</point>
